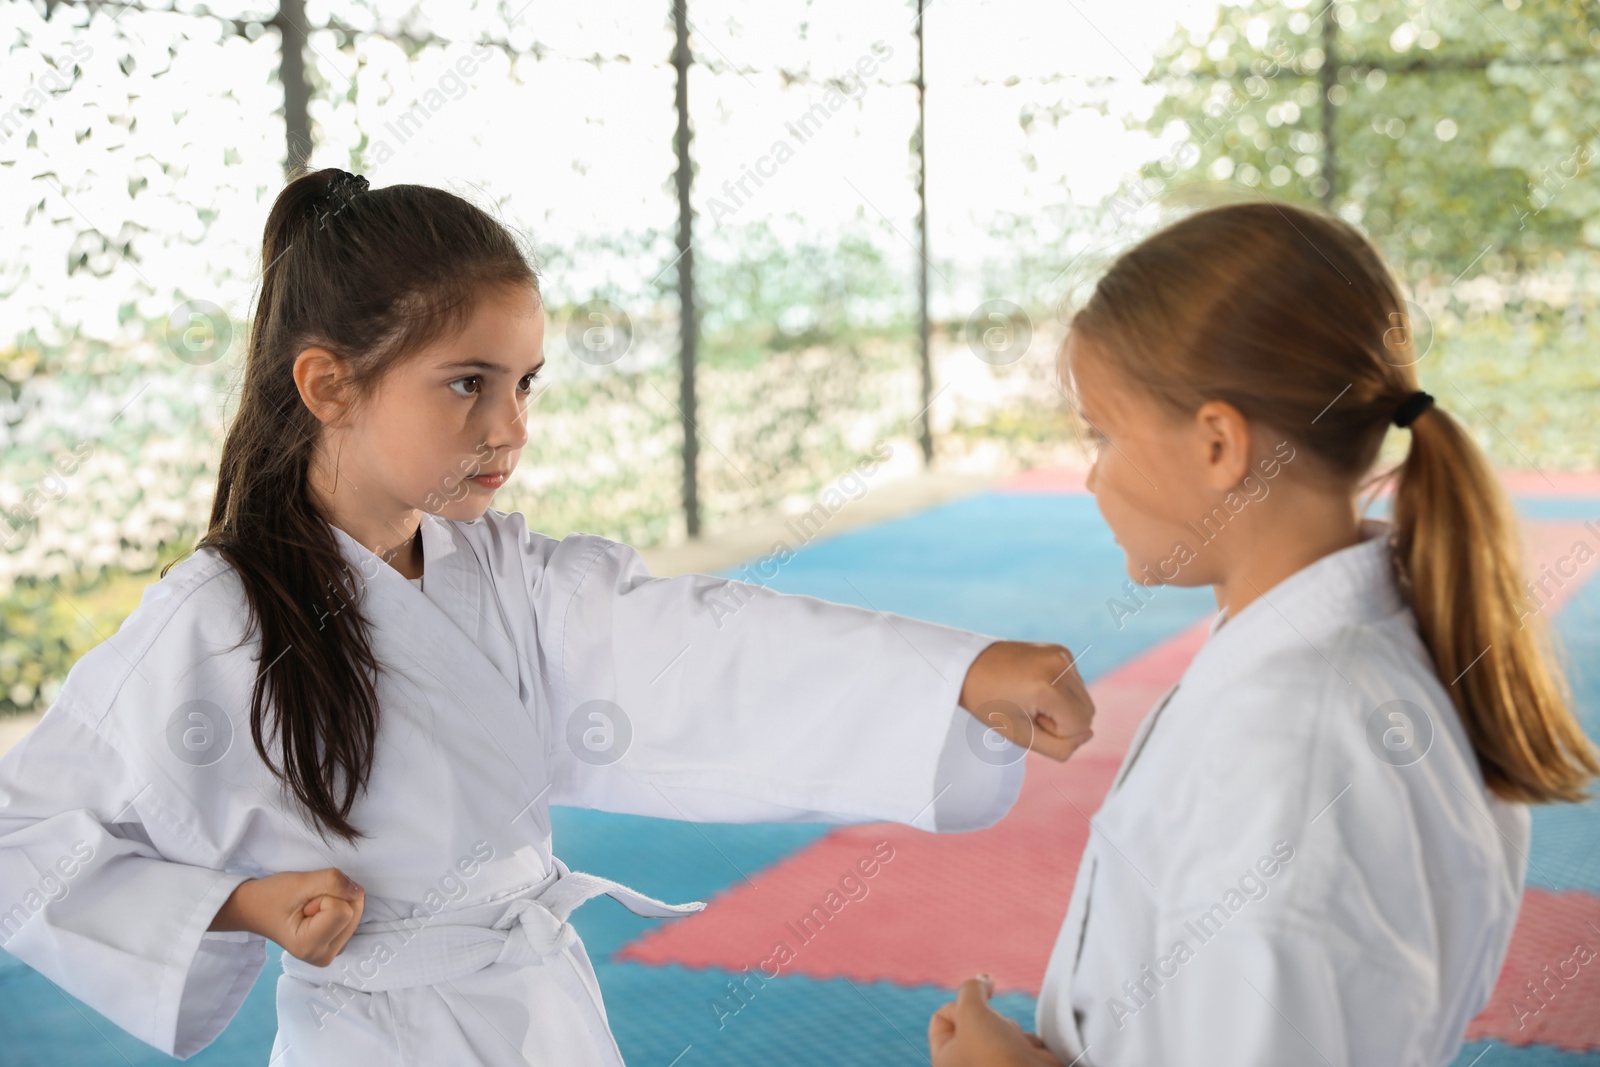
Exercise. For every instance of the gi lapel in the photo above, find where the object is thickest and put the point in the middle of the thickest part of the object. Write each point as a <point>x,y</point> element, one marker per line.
<point>1143,733</point>
<point>435,640</point>
<point>1139,739</point>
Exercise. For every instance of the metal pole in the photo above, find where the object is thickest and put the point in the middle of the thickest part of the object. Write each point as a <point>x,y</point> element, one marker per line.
<point>922,252</point>
<point>688,324</point>
<point>1329,78</point>
<point>291,21</point>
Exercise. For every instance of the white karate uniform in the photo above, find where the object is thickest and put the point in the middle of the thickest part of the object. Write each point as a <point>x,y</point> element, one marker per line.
<point>138,803</point>
<point>1290,868</point>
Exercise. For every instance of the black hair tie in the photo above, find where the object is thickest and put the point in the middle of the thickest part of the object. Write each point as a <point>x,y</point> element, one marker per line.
<point>341,189</point>
<point>1414,405</point>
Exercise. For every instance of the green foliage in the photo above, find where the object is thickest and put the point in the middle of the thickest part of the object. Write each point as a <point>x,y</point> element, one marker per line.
<point>1465,144</point>
<point>806,357</point>
<point>762,293</point>
<point>46,624</point>
<point>1524,379</point>
<point>1459,130</point>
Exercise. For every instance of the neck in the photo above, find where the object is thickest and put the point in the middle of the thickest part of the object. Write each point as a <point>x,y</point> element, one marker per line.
<point>1296,536</point>
<point>408,560</point>
<point>392,533</point>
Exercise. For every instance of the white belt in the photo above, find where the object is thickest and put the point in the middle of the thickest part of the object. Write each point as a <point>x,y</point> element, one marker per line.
<point>420,951</point>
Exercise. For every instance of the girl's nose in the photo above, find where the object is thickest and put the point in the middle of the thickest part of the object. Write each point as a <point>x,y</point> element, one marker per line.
<point>512,430</point>
<point>517,432</point>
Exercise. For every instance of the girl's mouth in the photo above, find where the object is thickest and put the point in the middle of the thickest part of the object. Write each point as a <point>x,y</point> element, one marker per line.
<point>489,480</point>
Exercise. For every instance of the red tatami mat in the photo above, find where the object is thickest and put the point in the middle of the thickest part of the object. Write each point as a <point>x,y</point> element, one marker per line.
<point>1549,988</point>
<point>946,906</point>
<point>996,897</point>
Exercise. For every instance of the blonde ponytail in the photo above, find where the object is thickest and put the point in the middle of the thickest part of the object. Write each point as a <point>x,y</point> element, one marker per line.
<point>1456,540</point>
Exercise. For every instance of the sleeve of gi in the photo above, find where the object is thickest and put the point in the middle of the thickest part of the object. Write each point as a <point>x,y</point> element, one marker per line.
<point>714,700</point>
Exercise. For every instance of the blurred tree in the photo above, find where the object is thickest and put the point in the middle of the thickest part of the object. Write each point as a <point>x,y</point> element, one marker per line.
<point>1448,129</point>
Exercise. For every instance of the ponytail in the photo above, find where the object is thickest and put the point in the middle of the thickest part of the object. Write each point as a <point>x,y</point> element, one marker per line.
<point>1456,542</point>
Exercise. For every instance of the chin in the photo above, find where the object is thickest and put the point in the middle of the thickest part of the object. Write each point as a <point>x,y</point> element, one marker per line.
<point>1143,573</point>
<point>1161,568</point>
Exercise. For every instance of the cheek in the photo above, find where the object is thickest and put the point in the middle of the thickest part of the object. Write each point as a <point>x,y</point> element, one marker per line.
<point>420,460</point>
<point>1146,519</point>
<point>1122,489</point>
<point>425,453</point>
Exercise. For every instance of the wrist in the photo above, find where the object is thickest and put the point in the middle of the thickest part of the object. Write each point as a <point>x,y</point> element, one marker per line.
<point>235,913</point>
<point>971,697</point>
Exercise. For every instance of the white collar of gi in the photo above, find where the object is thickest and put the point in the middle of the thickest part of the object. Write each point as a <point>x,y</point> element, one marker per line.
<point>438,546</point>
<point>1350,586</point>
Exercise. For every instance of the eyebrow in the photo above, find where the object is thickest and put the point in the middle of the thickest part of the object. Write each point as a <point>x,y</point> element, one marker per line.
<point>478,364</point>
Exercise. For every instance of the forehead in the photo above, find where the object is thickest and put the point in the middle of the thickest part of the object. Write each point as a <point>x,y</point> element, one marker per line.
<point>1093,382</point>
<point>504,324</point>
<point>1079,367</point>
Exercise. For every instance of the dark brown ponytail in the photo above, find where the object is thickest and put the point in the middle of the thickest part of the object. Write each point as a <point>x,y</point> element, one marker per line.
<point>1291,316</point>
<point>372,275</point>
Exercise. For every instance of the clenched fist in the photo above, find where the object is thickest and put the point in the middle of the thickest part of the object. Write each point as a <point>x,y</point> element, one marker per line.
<point>1030,693</point>
<point>311,914</point>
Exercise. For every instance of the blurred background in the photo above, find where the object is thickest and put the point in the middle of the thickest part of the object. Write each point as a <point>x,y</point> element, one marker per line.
<point>140,150</point>
<point>775,238</point>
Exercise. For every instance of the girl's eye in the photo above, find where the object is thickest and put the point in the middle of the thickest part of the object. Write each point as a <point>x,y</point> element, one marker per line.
<point>476,380</point>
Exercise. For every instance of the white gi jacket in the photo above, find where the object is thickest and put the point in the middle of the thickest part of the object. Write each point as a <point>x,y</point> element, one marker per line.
<point>1298,862</point>
<point>529,672</point>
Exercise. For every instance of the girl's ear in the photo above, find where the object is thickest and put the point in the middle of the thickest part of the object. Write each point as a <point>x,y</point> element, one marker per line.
<point>320,377</point>
<point>1224,435</point>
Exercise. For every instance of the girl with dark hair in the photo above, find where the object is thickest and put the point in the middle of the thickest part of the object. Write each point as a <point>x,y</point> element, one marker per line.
<point>1315,848</point>
<point>421,677</point>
